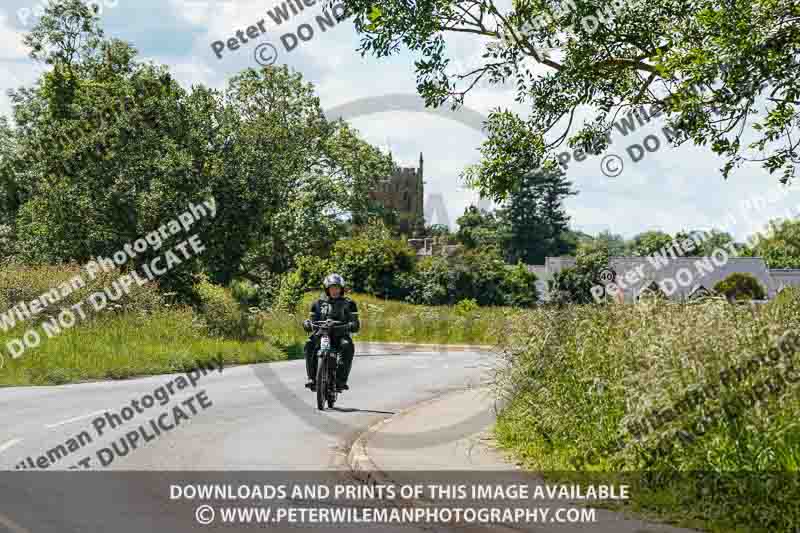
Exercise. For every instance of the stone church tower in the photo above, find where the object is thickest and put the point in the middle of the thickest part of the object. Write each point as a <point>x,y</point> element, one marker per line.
<point>403,192</point>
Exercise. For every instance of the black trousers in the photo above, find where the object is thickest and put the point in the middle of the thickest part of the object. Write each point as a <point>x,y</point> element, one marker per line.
<point>346,347</point>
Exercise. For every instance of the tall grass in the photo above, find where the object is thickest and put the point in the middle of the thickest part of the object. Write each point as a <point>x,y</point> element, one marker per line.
<point>576,377</point>
<point>394,321</point>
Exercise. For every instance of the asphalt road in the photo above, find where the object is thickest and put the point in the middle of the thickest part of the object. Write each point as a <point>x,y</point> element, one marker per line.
<point>246,418</point>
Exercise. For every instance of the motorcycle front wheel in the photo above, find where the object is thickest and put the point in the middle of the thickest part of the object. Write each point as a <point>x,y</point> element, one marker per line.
<point>332,394</point>
<point>322,380</point>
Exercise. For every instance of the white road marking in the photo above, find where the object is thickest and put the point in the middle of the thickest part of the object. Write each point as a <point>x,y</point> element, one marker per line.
<point>51,426</point>
<point>9,444</point>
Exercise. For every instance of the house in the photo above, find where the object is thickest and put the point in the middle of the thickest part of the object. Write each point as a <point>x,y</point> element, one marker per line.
<point>785,277</point>
<point>679,278</point>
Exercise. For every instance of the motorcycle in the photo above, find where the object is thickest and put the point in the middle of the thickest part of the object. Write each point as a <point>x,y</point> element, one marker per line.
<point>327,363</point>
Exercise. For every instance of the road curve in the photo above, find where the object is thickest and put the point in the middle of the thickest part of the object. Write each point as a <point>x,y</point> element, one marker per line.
<point>245,418</point>
<point>260,417</point>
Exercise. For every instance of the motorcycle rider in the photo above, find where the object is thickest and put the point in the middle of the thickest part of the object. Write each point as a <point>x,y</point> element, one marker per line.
<point>335,306</point>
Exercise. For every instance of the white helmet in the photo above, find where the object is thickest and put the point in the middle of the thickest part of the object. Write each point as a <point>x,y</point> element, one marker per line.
<point>333,279</point>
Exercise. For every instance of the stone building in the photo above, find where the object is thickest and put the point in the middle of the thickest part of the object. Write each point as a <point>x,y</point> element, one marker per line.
<point>430,246</point>
<point>404,193</point>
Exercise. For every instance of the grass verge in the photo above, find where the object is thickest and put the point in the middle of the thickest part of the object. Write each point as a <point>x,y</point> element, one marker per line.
<point>129,342</point>
<point>581,381</point>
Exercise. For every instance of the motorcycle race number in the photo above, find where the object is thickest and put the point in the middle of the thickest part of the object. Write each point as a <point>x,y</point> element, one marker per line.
<point>325,343</point>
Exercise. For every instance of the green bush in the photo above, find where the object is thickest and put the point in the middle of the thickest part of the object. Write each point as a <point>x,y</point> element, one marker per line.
<point>223,315</point>
<point>574,284</point>
<point>311,271</point>
<point>481,275</point>
<point>519,287</point>
<point>741,286</point>
<point>466,307</point>
<point>290,292</point>
<point>245,292</point>
<point>373,266</point>
<point>267,286</point>
<point>307,275</point>
<point>779,245</point>
<point>430,283</point>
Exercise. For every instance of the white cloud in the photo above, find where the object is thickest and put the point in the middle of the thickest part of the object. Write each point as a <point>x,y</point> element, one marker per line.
<point>12,48</point>
<point>670,189</point>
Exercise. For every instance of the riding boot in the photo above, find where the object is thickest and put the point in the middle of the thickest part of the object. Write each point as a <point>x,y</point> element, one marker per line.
<point>311,359</point>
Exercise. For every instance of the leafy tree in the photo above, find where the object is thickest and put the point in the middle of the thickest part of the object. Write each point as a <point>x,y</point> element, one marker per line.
<point>741,286</point>
<point>9,189</point>
<point>478,228</point>
<point>481,275</point>
<point>614,244</point>
<point>432,282</point>
<point>6,244</point>
<point>307,275</point>
<point>780,245</point>
<point>292,176</point>
<point>372,262</point>
<point>574,284</point>
<point>709,67</point>
<point>712,240</point>
<point>107,148</point>
<point>118,155</point>
<point>538,221</point>
<point>649,242</point>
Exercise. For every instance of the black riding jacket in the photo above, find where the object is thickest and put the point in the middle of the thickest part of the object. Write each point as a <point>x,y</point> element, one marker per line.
<point>342,309</point>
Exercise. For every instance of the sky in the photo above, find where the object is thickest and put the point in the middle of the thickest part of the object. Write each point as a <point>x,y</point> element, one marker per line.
<point>668,189</point>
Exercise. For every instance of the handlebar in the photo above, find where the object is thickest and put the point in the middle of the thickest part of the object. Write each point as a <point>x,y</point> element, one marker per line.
<point>331,324</point>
